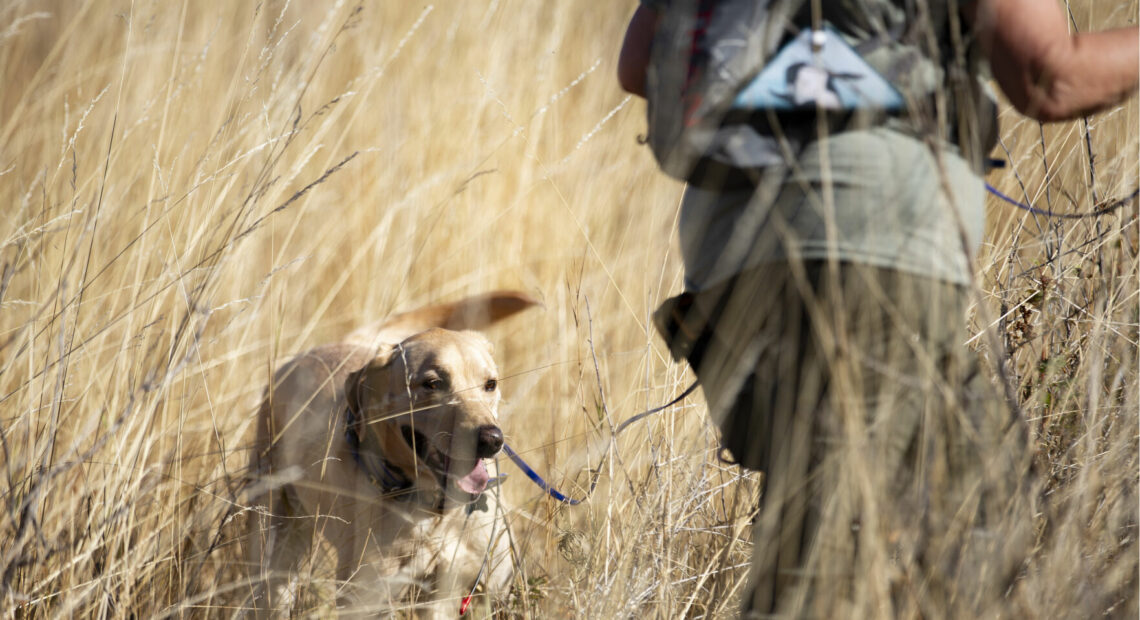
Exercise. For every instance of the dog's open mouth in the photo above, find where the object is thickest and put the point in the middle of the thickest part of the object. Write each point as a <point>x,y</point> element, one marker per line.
<point>470,479</point>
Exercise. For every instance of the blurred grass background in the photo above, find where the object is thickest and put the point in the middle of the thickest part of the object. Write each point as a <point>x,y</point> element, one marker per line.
<point>192,192</point>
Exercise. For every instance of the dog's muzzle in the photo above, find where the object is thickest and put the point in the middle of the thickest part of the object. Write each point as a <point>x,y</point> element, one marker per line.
<point>488,442</point>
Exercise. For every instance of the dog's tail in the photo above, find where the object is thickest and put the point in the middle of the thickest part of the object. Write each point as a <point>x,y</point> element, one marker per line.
<point>475,312</point>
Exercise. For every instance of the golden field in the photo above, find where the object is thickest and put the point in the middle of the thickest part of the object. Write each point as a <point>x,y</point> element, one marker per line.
<point>193,192</point>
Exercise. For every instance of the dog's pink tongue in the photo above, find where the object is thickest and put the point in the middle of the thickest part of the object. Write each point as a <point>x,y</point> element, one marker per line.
<point>476,481</point>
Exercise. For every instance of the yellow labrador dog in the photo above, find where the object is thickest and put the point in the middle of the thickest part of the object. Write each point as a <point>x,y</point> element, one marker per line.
<point>378,447</point>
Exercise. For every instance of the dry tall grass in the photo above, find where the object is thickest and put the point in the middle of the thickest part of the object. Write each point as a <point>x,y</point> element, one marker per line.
<point>195,191</point>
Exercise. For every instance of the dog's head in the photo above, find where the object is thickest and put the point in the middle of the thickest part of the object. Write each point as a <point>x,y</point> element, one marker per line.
<point>430,405</point>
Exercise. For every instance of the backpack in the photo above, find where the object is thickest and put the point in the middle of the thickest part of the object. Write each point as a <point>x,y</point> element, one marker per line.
<point>733,85</point>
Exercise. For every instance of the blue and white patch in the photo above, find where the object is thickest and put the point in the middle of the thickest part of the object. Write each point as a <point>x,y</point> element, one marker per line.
<point>818,69</point>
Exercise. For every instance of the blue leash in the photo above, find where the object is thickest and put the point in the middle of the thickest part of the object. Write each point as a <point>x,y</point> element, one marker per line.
<point>537,479</point>
<point>558,495</point>
<point>555,493</point>
<point>1068,216</point>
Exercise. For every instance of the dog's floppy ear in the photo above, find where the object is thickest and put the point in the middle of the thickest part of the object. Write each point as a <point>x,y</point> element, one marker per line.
<point>357,384</point>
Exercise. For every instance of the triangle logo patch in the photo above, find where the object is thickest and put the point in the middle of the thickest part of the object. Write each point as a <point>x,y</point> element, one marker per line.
<point>818,69</point>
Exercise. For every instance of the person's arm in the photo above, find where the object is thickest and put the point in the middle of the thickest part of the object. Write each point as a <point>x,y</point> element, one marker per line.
<point>1047,73</point>
<point>634,57</point>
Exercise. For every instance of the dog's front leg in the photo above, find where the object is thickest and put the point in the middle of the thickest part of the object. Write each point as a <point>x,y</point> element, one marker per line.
<point>366,585</point>
<point>279,542</point>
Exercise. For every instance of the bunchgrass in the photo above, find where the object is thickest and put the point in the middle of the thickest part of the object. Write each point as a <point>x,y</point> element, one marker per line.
<point>193,192</point>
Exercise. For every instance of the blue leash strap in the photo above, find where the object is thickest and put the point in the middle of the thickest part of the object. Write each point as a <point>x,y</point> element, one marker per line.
<point>1068,216</point>
<point>558,495</point>
<point>537,479</point>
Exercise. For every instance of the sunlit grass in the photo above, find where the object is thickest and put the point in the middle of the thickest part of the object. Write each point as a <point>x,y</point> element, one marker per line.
<point>193,192</point>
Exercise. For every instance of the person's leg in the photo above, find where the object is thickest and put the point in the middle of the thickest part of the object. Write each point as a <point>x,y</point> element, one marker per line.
<point>878,437</point>
<point>755,360</point>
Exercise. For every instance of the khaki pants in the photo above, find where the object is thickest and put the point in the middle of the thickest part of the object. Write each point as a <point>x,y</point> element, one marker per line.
<point>896,478</point>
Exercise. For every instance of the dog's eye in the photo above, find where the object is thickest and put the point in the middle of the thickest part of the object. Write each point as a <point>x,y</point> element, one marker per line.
<point>432,385</point>
<point>491,385</point>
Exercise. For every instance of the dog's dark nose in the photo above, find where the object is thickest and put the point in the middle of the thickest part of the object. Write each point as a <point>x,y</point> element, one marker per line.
<point>490,441</point>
